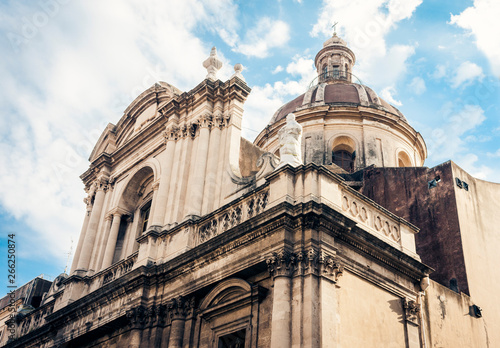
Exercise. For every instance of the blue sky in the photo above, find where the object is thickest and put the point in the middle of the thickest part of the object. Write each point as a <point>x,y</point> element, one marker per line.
<point>69,67</point>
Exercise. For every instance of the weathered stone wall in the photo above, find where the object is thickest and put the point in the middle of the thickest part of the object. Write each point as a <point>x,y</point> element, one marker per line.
<point>448,321</point>
<point>405,192</point>
<point>478,209</point>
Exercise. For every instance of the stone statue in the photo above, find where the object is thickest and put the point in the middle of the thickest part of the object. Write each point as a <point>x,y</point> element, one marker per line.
<point>290,138</point>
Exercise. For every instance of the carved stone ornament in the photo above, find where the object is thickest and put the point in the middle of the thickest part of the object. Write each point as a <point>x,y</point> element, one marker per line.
<point>290,139</point>
<point>412,310</point>
<point>281,263</point>
<point>238,68</point>
<point>330,267</point>
<point>212,64</point>
<point>307,261</point>
<point>137,316</point>
<point>267,162</point>
<point>172,133</point>
<point>206,121</point>
<point>179,308</point>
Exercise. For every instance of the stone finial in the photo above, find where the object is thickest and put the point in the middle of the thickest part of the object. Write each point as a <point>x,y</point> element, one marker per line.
<point>212,64</point>
<point>290,138</point>
<point>238,68</point>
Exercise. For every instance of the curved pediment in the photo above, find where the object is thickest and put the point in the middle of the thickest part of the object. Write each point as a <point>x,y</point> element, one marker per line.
<point>106,142</point>
<point>225,292</point>
<point>144,109</point>
<point>141,112</point>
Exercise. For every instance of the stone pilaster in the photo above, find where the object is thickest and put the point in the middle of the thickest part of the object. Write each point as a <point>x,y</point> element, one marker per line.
<point>137,318</point>
<point>162,196</point>
<point>111,242</point>
<point>412,311</point>
<point>90,235</point>
<point>281,265</point>
<point>196,186</point>
<point>178,308</point>
<point>88,211</point>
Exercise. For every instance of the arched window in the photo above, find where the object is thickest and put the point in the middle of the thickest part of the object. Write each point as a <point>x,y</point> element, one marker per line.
<point>343,153</point>
<point>344,159</point>
<point>136,200</point>
<point>404,160</point>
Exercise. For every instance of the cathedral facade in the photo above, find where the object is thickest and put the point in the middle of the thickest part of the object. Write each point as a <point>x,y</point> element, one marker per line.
<point>195,237</point>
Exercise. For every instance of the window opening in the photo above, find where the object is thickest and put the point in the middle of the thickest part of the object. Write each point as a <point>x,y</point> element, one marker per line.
<point>120,239</point>
<point>336,72</point>
<point>145,216</point>
<point>344,159</point>
<point>233,340</point>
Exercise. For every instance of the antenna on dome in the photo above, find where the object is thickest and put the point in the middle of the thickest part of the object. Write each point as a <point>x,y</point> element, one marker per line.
<point>334,26</point>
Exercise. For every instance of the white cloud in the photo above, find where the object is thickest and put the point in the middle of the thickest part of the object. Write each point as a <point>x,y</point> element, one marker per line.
<point>364,25</point>
<point>302,66</point>
<point>388,94</point>
<point>264,101</point>
<point>417,85</point>
<point>63,83</point>
<point>494,154</point>
<point>266,35</point>
<point>446,142</point>
<point>469,163</point>
<point>440,71</point>
<point>466,73</point>
<point>482,21</point>
<point>278,69</point>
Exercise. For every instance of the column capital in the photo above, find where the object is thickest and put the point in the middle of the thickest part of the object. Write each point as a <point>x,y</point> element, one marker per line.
<point>206,121</point>
<point>412,310</point>
<point>171,133</point>
<point>136,316</point>
<point>117,211</point>
<point>330,267</point>
<point>281,263</point>
<point>101,184</point>
<point>179,307</point>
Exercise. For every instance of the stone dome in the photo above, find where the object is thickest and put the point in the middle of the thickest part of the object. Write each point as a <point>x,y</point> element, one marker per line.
<point>346,123</point>
<point>341,94</point>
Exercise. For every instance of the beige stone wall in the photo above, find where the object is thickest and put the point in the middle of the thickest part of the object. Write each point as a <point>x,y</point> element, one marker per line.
<point>479,218</point>
<point>368,316</point>
<point>448,322</point>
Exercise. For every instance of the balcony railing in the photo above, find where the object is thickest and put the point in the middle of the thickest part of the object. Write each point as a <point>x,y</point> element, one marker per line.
<point>332,75</point>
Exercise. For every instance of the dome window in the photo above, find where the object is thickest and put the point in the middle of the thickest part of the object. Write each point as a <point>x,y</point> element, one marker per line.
<point>344,159</point>
<point>404,160</point>
<point>336,72</point>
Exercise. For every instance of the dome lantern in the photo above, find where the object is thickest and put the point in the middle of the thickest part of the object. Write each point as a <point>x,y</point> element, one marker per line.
<point>334,61</point>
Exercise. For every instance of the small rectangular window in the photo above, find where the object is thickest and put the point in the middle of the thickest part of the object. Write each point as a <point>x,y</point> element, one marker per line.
<point>233,340</point>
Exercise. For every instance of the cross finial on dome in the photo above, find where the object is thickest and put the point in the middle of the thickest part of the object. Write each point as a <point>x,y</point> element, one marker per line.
<point>334,26</point>
<point>212,64</point>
